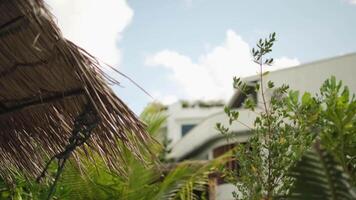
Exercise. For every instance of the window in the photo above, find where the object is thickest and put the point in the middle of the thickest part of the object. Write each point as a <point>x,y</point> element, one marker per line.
<point>230,165</point>
<point>186,128</point>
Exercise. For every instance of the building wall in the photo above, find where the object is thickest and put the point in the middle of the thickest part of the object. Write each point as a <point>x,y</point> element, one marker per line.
<point>224,192</point>
<point>309,77</point>
<point>205,152</point>
<point>177,116</point>
<point>203,137</point>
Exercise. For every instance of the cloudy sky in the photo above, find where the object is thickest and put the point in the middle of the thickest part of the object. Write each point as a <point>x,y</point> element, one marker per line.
<point>191,49</point>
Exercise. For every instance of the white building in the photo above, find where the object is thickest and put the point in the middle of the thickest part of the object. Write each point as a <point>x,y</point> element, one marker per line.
<point>204,141</point>
<point>184,116</point>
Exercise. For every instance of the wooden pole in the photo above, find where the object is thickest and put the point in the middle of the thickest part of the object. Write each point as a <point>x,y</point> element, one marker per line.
<point>212,183</point>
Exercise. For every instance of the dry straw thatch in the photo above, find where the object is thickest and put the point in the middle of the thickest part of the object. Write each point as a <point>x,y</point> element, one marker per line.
<point>45,83</point>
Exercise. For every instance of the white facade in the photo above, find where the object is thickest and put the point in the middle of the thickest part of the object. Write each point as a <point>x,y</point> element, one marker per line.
<point>205,133</point>
<point>179,116</point>
<point>224,192</point>
<point>310,76</point>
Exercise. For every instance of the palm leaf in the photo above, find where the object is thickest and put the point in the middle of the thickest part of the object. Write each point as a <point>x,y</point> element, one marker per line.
<point>185,179</point>
<point>189,180</point>
<point>319,176</point>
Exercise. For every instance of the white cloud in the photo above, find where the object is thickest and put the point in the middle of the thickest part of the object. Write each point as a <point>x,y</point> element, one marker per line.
<point>352,2</point>
<point>211,76</point>
<point>165,99</point>
<point>95,25</point>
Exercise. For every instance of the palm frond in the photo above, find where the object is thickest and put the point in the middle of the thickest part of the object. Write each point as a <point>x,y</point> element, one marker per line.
<point>184,181</point>
<point>319,176</point>
<point>189,180</point>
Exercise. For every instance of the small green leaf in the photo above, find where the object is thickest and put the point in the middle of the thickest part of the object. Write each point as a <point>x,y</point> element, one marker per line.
<point>257,87</point>
<point>227,110</point>
<point>270,84</point>
<point>249,104</point>
<point>306,98</point>
<point>265,73</point>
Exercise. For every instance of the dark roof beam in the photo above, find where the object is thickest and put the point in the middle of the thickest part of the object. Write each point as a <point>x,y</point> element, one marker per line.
<point>18,23</point>
<point>42,100</point>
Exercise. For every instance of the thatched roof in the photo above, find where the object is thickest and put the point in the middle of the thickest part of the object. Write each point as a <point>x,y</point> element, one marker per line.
<point>45,83</point>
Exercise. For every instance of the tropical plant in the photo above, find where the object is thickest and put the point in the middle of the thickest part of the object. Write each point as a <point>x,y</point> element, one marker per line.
<point>149,181</point>
<point>187,180</point>
<point>319,176</point>
<point>338,134</point>
<point>280,133</point>
<point>327,170</point>
<point>286,126</point>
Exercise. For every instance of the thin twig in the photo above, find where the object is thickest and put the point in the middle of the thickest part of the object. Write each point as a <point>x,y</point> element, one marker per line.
<point>130,79</point>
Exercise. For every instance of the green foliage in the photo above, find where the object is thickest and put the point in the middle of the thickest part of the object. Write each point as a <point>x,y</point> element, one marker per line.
<point>279,139</point>
<point>153,181</point>
<point>327,171</point>
<point>189,180</point>
<point>286,126</point>
<point>154,118</point>
<point>202,104</point>
<point>183,183</point>
<point>142,183</point>
<point>232,114</point>
<point>21,189</point>
<point>279,136</point>
<point>339,124</point>
<point>320,177</point>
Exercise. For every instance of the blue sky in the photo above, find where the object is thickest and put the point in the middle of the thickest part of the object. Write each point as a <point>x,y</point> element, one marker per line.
<point>190,49</point>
